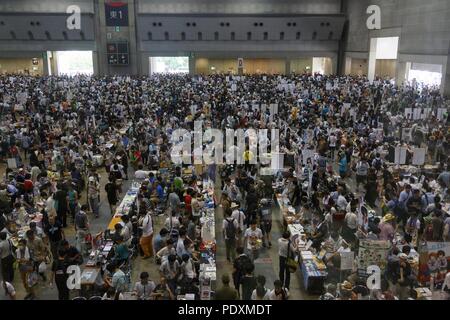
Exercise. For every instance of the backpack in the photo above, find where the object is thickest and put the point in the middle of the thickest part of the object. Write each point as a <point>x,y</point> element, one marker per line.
<point>230,230</point>
<point>80,220</point>
<point>378,164</point>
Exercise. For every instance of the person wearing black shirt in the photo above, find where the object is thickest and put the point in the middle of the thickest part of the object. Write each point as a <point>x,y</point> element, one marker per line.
<point>248,282</point>
<point>72,255</point>
<point>59,275</point>
<point>319,235</point>
<point>62,199</point>
<point>112,192</point>
<point>238,267</point>
<point>55,233</point>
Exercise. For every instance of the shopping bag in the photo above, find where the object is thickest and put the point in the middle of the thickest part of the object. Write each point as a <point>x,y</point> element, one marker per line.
<point>32,279</point>
<point>292,265</point>
<point>42,267</point>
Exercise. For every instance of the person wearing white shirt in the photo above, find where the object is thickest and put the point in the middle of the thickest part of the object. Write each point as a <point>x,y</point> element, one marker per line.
<point>253,239</point>
<point>181,249</point>
<point>147,236</point>
<point>279,293</point>
<point>261,292</point>
<point>446,284</point>
<point>341,202</point>
<point>351,226</point>
<point>141,174</point>
<point>188,268</point>
<point>172,223</point>
<point>143,289</point>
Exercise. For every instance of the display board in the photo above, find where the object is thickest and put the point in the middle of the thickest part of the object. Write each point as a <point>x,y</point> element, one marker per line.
<point>430,254</point>
<point>116,14</point>
<point>371,253</point>
<point>118,53</point>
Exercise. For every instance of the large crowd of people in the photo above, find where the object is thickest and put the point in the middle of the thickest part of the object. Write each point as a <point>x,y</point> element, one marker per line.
<point>65,141</point>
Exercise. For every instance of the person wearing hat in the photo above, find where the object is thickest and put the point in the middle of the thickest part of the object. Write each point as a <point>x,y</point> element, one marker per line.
<point>345,291</point>
<point>387,227</point>
<point>404,282</point>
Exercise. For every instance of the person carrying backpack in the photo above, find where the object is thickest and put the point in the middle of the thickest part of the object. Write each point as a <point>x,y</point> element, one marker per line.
<point>238,267</point>
<point>230,229</point>
<point>377,163</point>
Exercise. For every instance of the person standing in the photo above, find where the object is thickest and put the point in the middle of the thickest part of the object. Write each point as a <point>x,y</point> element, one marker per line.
<point>143,289</point>
<point>342,165</point>
<point>362,170</point>
<point>261,292</point>
<point>25,266</point>
<point>93,196</point>
<point>253,238</point>
<point>59,275</point>
<point>147,236</point>
<point>239,216</point>
<point>62,204</point>
<point>55,234</point>
<point>81,228</point>
<point>229,229</point>
<point>112,192</point>
<point>285,249</point>
<point>238,267</point>
<point>279,293</point>
<point>226,292</point>
<point>7,258</point>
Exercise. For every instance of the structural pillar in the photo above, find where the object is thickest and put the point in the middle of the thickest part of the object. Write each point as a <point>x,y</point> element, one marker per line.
<point>192,64</point>
<point>372,59</point>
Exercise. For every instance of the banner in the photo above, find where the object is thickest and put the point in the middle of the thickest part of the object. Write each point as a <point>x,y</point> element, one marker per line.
<point>432,257</point>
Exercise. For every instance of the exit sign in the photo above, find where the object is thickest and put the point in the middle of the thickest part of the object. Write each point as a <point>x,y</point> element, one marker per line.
<point>117,29</point>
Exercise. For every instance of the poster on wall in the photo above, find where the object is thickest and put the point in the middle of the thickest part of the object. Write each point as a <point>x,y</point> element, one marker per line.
<point>434,261</point>
<point>371,253</point>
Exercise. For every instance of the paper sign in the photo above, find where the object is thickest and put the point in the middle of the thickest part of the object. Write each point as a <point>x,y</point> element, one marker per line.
<point>400,155</point>
<point>417,113</point>
<point>426,113</point>
<point>307,154</point>
<point>12,163</point>
<point>440,113</point>
<point>240,63</point>
<point>193,109</point>
<point>419,156</point>
<point>347,259</point>
<point>408,113</point>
